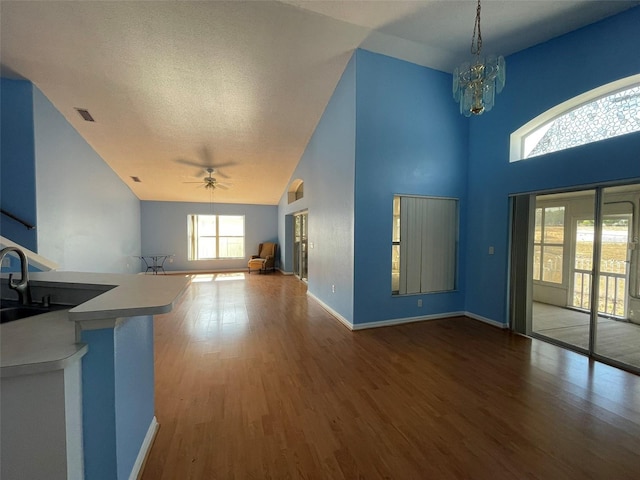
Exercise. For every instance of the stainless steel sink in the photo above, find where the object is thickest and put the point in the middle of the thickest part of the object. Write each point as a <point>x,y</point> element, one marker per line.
<point>11,311</point>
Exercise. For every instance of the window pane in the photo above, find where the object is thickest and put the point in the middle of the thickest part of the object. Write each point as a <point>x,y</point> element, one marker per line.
<point>396,219</point>
<point>395,268</point>
<point>231,247</point>
<point>607,117</point>
<point>554,225</point>
<point>231,225</point>
<point>206,247</point>
<point>584,245</point>
<point>538,231</point>
<point>536,262</point>
<point>207,225</point>
<point>552,264</point>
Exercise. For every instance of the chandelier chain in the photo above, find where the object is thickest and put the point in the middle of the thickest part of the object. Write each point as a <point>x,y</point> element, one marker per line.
<point>476,41</point>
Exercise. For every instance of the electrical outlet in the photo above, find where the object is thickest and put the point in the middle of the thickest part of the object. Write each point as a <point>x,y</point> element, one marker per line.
<point>6,262</point>
<point>491,250</point>
<point>419,302</point>
<point>333,289</point>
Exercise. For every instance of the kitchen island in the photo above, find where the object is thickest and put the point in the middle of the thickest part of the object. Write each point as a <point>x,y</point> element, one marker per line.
<point>77,384</point>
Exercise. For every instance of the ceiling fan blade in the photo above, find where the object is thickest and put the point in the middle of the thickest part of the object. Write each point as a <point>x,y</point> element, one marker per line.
<point>190,163</point>
<point>223,187</point>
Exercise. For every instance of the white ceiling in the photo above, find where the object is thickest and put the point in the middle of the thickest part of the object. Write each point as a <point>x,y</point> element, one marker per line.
<point>177,86</point>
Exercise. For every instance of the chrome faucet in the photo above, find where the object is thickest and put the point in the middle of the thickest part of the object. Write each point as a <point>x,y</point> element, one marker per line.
<point>22,287</point>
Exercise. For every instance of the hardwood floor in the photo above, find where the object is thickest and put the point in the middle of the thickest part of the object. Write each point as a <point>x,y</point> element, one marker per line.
<point>254,380</point>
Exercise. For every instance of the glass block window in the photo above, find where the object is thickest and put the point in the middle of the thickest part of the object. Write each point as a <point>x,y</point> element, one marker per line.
<point>606,117</point>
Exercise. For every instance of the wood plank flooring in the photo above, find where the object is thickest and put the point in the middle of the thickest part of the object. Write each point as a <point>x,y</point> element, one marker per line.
<point>254,380</point>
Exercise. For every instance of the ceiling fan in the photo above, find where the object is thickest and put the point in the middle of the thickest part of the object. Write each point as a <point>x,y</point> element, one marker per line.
<point>210,182</point>
<point>207,163</point>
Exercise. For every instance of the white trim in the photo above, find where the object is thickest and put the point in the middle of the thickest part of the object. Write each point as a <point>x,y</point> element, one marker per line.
<point>400,321</point>
<point>491,322</point>
<point>284,273</point>
<point>145,448</point>
<point>516,144</point>
<point>339,317</point>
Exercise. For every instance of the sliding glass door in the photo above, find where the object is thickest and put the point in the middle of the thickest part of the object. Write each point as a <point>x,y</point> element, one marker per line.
<point>580,286</point>
<point>617,335</point>
<point>300,245</point>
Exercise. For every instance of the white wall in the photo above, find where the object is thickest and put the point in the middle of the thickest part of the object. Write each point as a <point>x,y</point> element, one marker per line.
<point>88,219</point>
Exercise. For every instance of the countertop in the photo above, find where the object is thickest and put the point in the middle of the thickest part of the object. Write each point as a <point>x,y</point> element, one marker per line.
<point>48,341</point>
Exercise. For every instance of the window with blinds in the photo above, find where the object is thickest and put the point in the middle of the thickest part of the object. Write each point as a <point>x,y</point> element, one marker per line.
<point>425,244</point>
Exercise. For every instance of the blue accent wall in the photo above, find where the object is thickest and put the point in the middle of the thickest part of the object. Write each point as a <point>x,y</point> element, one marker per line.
<point>134,388</point>
<point>17,161</point>
<point>88,219</point>
<point>538,79</point>
<point>327,168</point>
<point>410,139</point>
<point>117,396</point>
<point>164,230</point>
<point>98,405</point>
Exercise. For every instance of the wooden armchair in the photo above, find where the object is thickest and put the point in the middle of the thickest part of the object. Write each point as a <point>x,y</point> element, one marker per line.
<point>266,258</point>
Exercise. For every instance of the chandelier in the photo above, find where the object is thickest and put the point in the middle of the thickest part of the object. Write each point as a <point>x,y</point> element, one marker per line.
<point>475,83</point>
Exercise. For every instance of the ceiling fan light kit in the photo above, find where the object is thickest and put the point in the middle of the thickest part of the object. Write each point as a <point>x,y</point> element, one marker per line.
<point>476,83</point>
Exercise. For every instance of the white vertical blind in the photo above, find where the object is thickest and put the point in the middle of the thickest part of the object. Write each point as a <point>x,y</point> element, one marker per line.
<point>428,244</point>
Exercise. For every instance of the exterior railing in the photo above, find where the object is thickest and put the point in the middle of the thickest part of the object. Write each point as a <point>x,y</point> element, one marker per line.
<point>612,289</point>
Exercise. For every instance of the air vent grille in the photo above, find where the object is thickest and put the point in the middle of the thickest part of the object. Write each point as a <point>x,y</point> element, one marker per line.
<point>84,113</point>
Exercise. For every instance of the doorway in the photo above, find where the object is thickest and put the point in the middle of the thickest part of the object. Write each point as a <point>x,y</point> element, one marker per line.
<point>300,255</point>
<point>575,272</point>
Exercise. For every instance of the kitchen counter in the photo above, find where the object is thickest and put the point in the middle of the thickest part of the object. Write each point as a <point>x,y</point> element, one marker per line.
<point>39,344</point>
<point>50,341</point>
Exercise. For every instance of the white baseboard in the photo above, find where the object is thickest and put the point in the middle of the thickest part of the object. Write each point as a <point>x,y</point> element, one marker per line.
<point>491,322</point>
<point>339,317</point>
<point>400,321</point>
<point>144,449</point>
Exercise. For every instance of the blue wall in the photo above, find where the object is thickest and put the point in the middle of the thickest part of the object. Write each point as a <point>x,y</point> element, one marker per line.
<point>164,230</point>
<point>327,168</point>
<point>134,389</point>
<point>538,79</point>
<point>410,139</point>
<point>17,161</point>
<point>88,219</point>
<point>117,396</point>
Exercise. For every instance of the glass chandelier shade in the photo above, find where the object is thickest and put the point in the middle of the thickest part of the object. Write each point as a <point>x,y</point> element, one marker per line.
<point>476,83</point>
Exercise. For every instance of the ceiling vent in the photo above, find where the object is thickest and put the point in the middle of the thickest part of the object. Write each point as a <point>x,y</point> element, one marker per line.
<point>84,113</point>
<point>136,179</point>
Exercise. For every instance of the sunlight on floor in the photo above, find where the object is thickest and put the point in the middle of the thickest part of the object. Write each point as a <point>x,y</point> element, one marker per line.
<point>224,277</point>
<point>217,277</point>
<point>202,278</point>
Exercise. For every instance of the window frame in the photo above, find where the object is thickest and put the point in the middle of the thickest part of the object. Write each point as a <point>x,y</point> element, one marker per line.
<point>193,237</point>
<point>542,244</point>
<point>397,241</point>
<point>518,137</point>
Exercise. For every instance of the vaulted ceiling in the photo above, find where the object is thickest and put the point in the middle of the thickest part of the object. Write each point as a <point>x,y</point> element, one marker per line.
<point>175,87</point>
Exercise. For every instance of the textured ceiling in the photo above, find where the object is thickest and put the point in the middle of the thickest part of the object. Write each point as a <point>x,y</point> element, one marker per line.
<point>178,86</point>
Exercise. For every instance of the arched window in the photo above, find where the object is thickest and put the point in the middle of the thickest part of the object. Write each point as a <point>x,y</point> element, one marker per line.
<point>606,112</point>
<point>296,190</point>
